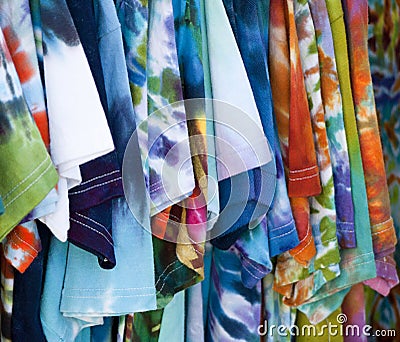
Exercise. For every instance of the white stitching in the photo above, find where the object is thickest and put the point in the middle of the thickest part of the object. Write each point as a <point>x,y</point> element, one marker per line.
<point>302,178</point>
<point>131,296</point>
<point>32,184</point>
<point>14,233</point>
<point>123,289</point>
<point>283,226</point>
<point>95,186</point>
<point>168,274</point>
<point>287,233</point>
<point>23,251</point>
<point>95,222</point>
<point>97,232</point>
<point>26,178</point>
<point>302,170</point>
<point>98,177</point>
<point>160,276</point>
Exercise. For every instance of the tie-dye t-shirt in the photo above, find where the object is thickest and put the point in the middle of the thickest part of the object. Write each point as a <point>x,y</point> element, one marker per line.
<point>324,267</point>
<point>383,233</point>
<point>153,71</point>
<point>28,173</point>
<point>357,264</point>
<point>332,102</point>
<point>280,86</point>
<point>16,23</point>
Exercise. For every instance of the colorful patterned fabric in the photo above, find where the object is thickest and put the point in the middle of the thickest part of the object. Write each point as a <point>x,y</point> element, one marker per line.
<point>303,179</point>
<point>233,310</point>
<point>332,102</point>
<point>275,312</point>
<point>156,67</point>
<point>280,69</point>
<point>27,293</point>
<point>28,173</point>
<point>354,308</point>
<point>7,286</point>
<point>324,267</point>
<point>322,207</point>
<point>16,23</point>
<point>192,233</point>
<point>22,245</point>
<point>383,233</point>
<point>248,34</point>
<point>281,227</point>
<point>384,57</point>
<point>357,264</point>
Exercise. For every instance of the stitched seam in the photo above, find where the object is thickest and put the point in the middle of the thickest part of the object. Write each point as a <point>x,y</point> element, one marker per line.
<point>305,236</point>
<point>302,170</point>
<point>165,270</point>
<point>23,241</point>
<point>98,177</point>
<point>284,234</point>
<point>26,178</point>
<point>382,231</point>
<point>97,232</point>
<point>23,251</point>
<point>296,179</point>
<point>250,272</point>
<point>283,226</point>
<point>31,185</point>
<point>95,186</point>
<point>152,185</point>
<point>131,296</point>
<point>95,222</point>
<point>248,263</point>
<point>382,223</point>
<point>122,289</point>
<point>167,275</point>
<point>304,247</point>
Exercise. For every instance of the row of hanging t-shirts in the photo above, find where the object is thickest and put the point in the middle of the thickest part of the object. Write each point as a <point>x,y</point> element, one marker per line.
<point>198,170</point>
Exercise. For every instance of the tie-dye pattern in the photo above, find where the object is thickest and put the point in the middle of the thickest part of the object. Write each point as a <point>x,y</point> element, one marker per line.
<point>357,264</point>
<point>7,286</point>
<point>280,76</point>
<point>324,267</point>
<point>28,173</point>
<point>192,234</point>
<point>384,57</point>
<point>303,179</point>
<point>15,20</point>
<point>332,102</point>
<point>152,63</point>
<point>253,44</point>
<point>22,245</point>
<point>355,313</point>
<point>234,311</point>
<point>383,233</point>
<point>275,312</point>
<point>280,222</point>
